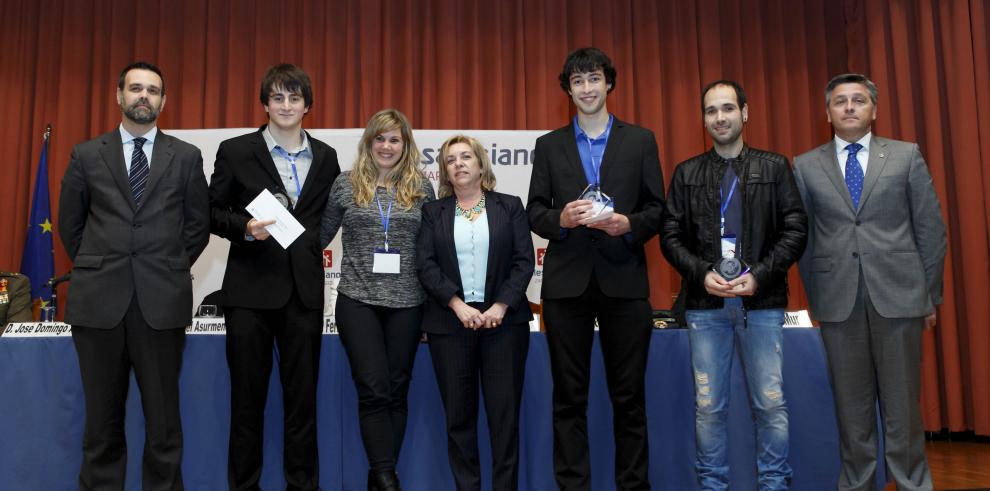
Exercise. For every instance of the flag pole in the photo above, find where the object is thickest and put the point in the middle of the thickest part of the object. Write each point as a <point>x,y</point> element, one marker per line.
<point>52,284</point>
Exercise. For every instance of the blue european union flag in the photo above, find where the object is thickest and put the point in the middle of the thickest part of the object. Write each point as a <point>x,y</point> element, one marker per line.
<point>38,261</point>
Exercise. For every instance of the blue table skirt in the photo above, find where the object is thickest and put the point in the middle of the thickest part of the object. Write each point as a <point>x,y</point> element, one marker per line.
<point>41,420</point>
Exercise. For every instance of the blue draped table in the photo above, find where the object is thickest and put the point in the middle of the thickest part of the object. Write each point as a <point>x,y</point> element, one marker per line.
<point>41,420</point>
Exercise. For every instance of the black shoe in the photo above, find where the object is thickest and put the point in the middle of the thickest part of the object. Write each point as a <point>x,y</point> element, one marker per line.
<point>386,480</point>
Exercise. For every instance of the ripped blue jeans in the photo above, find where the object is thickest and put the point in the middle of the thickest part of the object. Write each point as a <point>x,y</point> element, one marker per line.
<point>758,336</point>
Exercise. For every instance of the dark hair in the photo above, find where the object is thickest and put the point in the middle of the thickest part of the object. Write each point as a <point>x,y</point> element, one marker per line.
<point>584,60</point>
<point>140,65</point>
<point>850,78</point>
<point>740,94</point>
<point>288,77</point>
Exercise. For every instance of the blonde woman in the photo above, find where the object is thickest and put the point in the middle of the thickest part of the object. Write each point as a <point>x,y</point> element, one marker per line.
<point>380,301</point>
<point>475,260</point>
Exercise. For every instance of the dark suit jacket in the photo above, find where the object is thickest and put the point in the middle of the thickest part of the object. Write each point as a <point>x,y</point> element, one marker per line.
<point>260,273</point>
<point>510,261</point>
<point>631,175</point>
<point>120,250</point>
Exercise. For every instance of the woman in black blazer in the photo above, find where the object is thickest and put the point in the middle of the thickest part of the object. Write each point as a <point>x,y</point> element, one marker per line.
<point>475,260</point>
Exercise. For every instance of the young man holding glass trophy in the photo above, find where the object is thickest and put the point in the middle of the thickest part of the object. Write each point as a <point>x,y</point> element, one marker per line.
<point>596,194</point>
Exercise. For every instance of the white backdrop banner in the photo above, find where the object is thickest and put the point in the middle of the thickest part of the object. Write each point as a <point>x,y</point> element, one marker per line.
<point>511,153</point>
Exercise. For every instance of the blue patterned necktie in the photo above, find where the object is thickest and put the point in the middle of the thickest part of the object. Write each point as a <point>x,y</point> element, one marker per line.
<point>854,174</point>
<point>139,170</point>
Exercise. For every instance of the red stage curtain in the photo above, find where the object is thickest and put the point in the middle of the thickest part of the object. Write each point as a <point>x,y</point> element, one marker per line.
<point>493,65</point>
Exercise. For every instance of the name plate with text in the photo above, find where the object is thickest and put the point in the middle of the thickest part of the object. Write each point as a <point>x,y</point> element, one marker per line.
<point>214,326</point>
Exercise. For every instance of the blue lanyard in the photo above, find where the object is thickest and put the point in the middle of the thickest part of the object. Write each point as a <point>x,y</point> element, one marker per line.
<point>725,205</point>
<point>591,151</point>
<point>291,157</point>
<point>385,217</point>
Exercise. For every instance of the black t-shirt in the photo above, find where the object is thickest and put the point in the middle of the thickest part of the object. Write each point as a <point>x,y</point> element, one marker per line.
<point>733,209</point>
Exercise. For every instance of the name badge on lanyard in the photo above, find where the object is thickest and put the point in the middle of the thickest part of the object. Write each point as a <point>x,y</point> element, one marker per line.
<point>728,240</point>
<point>729,245</point>
<point>386,260</point>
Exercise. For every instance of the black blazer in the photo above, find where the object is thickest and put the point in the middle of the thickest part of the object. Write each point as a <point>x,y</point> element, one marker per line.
<point>510,261</point>
<point>260,274</point>
<point>631,175</point>
<point>120,250</point>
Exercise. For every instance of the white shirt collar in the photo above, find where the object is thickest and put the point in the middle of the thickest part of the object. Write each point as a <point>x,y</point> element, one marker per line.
<point>840,144</point>
<point>126,137</point>
<point>271,143</point>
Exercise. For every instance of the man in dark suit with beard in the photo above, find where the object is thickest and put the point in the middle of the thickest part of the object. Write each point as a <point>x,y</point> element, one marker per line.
<point>133,217</point>
<point>273,295</point>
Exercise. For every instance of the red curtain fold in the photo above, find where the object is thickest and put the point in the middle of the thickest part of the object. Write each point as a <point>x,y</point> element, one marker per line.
<point>493,65</point>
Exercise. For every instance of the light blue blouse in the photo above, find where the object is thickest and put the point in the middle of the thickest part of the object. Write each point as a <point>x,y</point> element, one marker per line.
<point>471,243</point>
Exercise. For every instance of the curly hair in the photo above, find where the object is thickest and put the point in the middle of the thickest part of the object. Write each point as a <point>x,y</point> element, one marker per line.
<point>584,60</point>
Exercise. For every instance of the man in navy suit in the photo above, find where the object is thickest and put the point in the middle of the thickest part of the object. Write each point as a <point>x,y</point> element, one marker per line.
<point>273,295</point>
<point>595,267</point>
<point>133,217</point>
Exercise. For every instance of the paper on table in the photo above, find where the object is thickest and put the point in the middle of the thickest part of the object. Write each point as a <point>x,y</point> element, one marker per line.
<point>286,228</point>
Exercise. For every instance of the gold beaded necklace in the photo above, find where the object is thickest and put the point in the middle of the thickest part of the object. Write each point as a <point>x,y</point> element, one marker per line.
<point>472,212</point>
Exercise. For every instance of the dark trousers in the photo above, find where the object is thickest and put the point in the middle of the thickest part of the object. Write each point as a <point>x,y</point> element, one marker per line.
<point>381,345</point>
<point>106,357</point>
<point>873,358</point>
<point>498,356</point>
<point>295,332</point>
<point>624,334</point>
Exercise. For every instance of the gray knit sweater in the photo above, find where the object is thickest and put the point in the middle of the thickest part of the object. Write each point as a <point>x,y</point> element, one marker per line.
<point>363,233</point>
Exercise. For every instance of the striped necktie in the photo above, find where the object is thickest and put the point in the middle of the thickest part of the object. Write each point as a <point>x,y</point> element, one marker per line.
<point>139,170</point>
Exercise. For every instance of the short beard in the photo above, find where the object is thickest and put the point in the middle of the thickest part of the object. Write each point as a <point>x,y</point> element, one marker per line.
<point>732,138</point>
<point>141,115</point>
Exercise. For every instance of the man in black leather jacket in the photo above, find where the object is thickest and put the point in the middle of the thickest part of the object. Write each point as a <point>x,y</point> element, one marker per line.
<point>734,225</point>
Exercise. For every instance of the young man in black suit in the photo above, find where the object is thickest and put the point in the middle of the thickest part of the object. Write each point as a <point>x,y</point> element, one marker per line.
<point>133,217</point>
<point>595,267</point>
<point>272,294</point>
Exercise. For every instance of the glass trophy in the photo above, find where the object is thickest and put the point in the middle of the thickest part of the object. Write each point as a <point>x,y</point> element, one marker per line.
<point>601,204</point>
<point>730,267</point>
